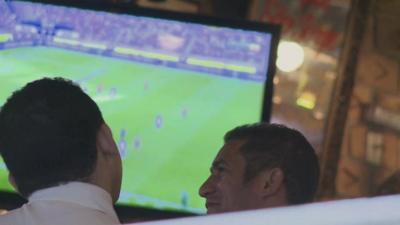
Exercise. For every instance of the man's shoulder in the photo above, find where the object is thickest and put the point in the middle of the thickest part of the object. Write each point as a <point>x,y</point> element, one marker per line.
<point>55,212</point>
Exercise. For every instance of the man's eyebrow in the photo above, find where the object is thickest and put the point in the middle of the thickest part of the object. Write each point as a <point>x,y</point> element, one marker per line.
<point>218,163</point>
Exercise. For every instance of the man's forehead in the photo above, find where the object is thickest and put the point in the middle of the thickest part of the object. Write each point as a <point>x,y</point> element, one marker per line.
<point>228,151</point>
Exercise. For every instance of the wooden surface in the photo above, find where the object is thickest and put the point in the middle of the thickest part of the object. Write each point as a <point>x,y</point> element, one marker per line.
<point>341,98</point>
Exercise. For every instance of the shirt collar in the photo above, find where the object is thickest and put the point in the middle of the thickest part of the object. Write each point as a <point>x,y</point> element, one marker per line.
<point>80,193</point>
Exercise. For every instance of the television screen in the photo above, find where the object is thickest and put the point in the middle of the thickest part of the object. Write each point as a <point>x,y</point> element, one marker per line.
<point>169,88</point>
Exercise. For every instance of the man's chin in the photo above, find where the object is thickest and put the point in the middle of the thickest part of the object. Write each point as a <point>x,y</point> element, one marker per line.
<point>213,210</point>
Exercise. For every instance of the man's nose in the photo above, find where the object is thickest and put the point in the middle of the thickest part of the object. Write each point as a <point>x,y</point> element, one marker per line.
<point>207,188</point>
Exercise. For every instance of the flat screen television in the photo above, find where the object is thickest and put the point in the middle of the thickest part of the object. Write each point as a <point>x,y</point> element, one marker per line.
<point>169,85</point>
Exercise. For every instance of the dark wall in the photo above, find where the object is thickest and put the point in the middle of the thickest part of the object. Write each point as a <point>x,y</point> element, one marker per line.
<point>236,9</point>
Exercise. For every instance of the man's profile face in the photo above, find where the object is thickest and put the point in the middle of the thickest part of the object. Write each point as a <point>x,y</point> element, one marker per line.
<point>225,189</point>
<point>117,171</point>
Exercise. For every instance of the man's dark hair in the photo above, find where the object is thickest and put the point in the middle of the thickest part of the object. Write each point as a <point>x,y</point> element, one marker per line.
<point>276,146</point>
<point>48,133</point>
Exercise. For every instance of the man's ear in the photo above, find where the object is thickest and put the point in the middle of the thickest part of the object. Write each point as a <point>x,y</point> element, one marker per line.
<point>105,142</point>
<point>273,181</point>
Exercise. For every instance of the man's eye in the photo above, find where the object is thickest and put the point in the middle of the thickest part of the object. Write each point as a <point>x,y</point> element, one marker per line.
<point>220,169</point>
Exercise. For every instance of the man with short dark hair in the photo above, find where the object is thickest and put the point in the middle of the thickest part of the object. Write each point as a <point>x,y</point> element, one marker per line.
<point>261,166</point>
<point>60,155</point>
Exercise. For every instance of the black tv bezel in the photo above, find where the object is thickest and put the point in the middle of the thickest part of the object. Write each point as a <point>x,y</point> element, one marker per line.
<point>10,200</point>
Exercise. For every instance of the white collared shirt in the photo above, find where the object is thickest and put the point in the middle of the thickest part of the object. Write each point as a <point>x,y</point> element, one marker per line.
<point>74,203</point>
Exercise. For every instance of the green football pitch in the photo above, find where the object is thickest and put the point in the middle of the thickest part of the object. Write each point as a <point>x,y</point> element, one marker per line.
<point>169,123</point>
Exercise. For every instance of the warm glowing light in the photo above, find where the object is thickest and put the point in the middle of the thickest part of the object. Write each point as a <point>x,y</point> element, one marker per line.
<point>276,80</point>
<point>318,114</point>
<point>307,100</point>
<point>277,99</point>
<point>290,56</point>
